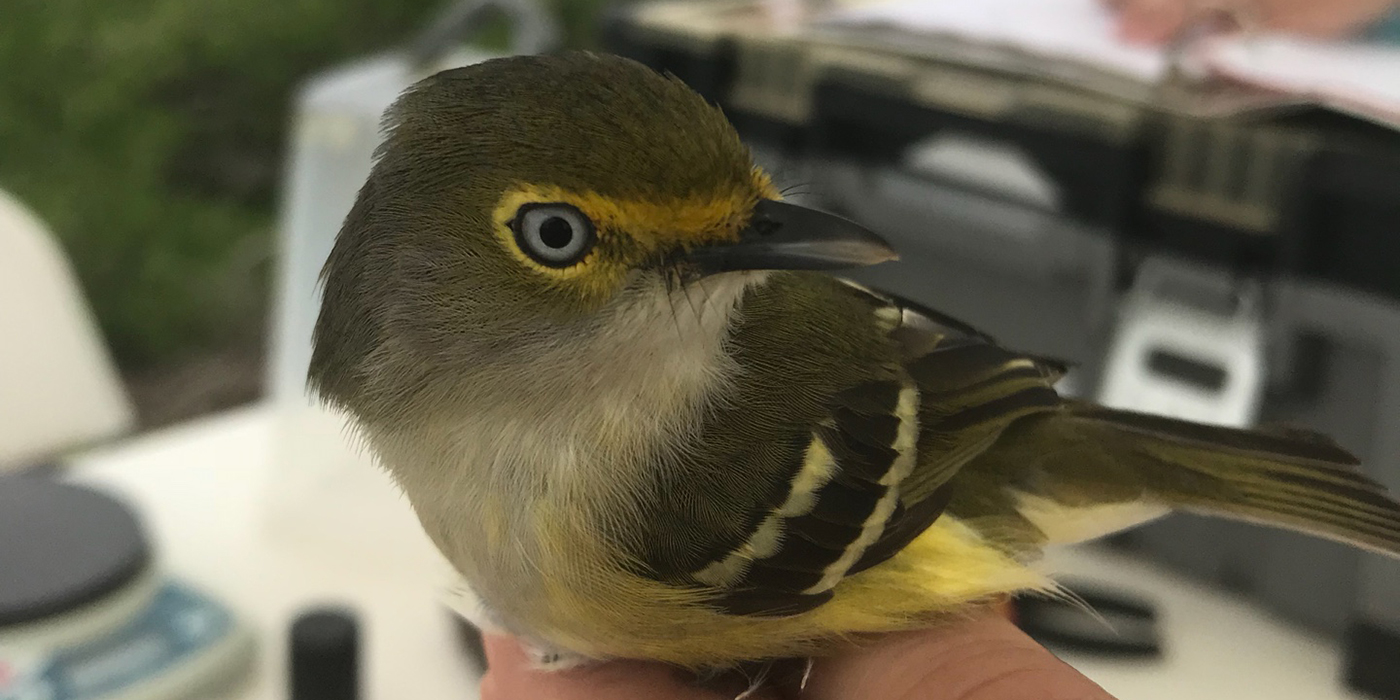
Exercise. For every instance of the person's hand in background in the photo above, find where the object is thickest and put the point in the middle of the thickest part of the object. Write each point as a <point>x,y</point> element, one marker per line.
<point>1158,21</point>
<point>982,659</point>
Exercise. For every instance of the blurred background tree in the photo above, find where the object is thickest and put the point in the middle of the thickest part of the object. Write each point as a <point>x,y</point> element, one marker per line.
<point>149,134</point>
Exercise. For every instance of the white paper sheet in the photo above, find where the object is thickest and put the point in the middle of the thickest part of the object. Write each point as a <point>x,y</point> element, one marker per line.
<point>1355,77</point>
<point>1076,30</point>
<point>1363,78</point>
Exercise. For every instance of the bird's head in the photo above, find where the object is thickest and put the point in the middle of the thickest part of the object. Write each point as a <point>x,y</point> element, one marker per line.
<point>521,204</point>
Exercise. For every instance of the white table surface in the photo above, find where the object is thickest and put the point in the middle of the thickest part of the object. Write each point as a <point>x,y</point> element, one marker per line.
<point>203,491</point>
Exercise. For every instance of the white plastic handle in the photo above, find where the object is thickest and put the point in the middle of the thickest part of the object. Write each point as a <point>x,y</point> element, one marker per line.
<point>1161,340</point>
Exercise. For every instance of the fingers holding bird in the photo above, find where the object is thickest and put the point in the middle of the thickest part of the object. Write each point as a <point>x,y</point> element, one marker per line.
<point>1150,21</point>
<point>512,677</point>
<point>978,658</point>
<point>1160,21</point>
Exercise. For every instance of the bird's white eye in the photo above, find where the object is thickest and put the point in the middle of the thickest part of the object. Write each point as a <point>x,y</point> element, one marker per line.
<point>555,235</point>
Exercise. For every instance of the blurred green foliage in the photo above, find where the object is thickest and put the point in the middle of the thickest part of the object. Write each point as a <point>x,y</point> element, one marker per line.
<point>149,135</point>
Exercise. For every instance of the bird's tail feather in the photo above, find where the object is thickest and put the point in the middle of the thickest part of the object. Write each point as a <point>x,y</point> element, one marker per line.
<point>1287,478</point>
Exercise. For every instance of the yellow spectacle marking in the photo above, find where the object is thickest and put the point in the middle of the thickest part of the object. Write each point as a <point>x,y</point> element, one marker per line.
<point>648,224</point>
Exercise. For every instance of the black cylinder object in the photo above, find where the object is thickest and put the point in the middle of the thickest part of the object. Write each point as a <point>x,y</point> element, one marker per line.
<point>325,655</point>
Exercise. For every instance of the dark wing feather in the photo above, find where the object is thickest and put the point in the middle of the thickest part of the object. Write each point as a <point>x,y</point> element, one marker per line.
<point>906,524</point>
<point>859,433</point>
<point>968,391</point>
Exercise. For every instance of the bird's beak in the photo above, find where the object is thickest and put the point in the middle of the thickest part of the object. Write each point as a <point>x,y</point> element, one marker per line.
<point>782,236</point>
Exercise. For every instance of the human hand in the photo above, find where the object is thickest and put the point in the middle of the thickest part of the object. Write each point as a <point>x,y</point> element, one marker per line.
<point>981,659</point>
<point>1158,21</point>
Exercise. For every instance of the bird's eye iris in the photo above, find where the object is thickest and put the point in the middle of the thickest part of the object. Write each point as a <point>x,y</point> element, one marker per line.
<point>556,235</point>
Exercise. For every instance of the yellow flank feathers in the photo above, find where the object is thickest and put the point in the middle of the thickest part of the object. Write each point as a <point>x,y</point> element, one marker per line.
<point>604,613</point>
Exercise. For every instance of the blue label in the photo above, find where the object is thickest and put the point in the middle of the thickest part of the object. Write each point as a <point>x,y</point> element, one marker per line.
<point>178,625</point>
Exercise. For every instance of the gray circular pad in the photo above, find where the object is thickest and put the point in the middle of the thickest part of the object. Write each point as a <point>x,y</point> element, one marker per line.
<point>62,546</point>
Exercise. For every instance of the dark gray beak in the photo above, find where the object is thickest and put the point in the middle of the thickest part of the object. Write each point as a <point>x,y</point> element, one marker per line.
<point>783,236</point>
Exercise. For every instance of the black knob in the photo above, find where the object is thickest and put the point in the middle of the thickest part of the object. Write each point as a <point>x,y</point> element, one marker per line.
<point>325,655</point>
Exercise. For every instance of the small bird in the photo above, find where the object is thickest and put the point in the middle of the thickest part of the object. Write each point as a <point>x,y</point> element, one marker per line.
<point>609,368</point>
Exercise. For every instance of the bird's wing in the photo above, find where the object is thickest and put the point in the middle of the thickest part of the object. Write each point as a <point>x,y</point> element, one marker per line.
<point>969,391</point>
<point>844,491</point>
<point>955,424</point>
<point>872,471</point>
